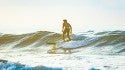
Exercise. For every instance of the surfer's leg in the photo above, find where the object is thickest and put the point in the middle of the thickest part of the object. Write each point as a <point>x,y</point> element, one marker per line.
<point>63,35</point>
<point>68,35</point>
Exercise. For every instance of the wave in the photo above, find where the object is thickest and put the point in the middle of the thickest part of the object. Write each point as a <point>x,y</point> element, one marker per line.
<point>5,65</point>
<point>37,39</point>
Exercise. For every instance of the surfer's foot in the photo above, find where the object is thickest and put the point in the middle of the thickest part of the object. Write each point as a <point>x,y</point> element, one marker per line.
<point>64,40</point>
<point>69,40</point>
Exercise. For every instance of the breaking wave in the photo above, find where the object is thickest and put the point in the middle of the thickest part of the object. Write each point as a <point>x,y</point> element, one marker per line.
<point>116,39</point>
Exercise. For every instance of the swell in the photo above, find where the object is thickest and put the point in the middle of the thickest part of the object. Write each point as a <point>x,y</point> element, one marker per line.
<point>37,39</point>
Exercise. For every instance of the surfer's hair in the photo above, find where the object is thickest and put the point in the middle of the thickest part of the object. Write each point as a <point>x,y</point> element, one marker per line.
<point>64,20</point>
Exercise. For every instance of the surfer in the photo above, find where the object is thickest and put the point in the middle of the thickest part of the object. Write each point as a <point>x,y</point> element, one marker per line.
<point>66,29</point>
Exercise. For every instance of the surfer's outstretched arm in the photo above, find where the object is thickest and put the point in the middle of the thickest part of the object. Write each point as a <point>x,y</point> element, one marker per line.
<point>63,33</point>
<point>63,27</point>
<point>70,28</point>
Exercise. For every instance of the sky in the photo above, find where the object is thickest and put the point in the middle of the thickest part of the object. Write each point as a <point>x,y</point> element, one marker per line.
<point>25,16</point>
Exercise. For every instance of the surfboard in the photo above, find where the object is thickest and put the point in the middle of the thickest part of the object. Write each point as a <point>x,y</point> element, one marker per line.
<point>65,46</point>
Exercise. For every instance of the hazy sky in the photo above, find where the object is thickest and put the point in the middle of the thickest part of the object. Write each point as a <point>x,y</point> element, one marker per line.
<point>24,16</point>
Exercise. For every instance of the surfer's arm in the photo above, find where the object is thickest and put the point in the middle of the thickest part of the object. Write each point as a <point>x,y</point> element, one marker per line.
<point>63,27</point>
<point>70,28</point>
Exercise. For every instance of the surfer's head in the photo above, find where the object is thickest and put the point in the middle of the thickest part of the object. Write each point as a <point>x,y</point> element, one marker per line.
<point>64,20</point>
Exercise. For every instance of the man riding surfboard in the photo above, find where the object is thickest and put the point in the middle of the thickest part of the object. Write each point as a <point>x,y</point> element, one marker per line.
<point>66,29</point>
